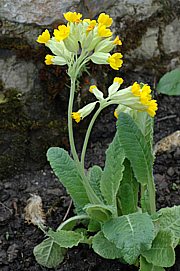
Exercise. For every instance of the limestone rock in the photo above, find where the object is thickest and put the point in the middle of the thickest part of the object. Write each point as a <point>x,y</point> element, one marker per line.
<point>171,37</point>
<point>140,9</point>
<point>149,46</point>
<point>17,74</point>
<point>42,12</point>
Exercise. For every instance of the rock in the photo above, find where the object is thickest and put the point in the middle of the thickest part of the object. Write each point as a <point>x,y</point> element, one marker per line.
<point>170,171</point>
<point>12,252</point>
<point>17,74</point>
<point>5,214</point>
<point>38,12</point>
<point>171,37</point>
<point>139,9</point>
<point>149,46</point>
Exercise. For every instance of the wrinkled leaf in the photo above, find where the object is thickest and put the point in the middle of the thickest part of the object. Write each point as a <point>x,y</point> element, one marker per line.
<point>128,191</point>
<point>145,124</point>
<point>162,251</point>
<point>169,219</point>
<point>65,169</point>
<point>99,212</point>
<point>131,233</point>
<point>145,266</point>
<point>95,174</point>
<point>66,239</point>
<point>113,171</point>
<point>105,248</point>
<point>170,83</point>
<point>135,147</point>
<point>49,254</point>
<point>94,225</point>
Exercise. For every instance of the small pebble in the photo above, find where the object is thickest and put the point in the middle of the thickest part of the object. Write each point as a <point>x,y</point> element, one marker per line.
<point>170,171</point>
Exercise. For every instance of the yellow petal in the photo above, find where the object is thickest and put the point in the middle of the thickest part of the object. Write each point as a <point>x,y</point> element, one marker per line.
<point>44,37</point>
<point>105,19</point>
<point>76,116</point>
<point>48,59</point>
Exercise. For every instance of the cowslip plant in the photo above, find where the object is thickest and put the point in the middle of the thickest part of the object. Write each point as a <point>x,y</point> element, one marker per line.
<point>116,205</point>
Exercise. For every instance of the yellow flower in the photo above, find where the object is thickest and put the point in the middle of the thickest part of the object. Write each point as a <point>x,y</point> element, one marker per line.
<point>116,114</point>
<point>146,88</point>
<point>87,21</point>
<point>152,108</point>
<point>136,89</point>
<point>76,116</point>
<point>117,41</point>
<point>91,25</point>
<point>44,37</point>
<point>83,112</point>
<point>91,88</point>
<point>48,59</point>
<point>105,19</point>
<point>115,61</point>
<point>104,32</point>
<point>145,96</point>
<point>97,93</point>
<point>62,32</point>
<point>118,80</point>
<point>73,17</point>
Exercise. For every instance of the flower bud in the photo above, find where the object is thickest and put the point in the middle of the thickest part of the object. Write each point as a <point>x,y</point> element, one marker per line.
<point>100,58</point>
<point>97,93</point>
<point>104,46</point>
<point>83,112</point>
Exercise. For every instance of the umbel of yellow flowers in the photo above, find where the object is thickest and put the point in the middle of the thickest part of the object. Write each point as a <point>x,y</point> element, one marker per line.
<point>136,97</point>
<point>82,40</point>
<point>93,38</point>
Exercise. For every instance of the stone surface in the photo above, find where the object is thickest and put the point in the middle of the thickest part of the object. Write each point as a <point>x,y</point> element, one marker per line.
<point>171,37</point>
<point>46,12</point>
<point>35,11</point>
<point>17,74</point>
<point>140,9</point>
<point>149,46</point>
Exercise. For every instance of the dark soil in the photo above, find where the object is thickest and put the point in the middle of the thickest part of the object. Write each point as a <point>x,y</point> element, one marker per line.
<point>17,238</point>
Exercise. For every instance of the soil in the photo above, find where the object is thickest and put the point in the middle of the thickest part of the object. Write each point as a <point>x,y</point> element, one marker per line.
<point>17,238</point>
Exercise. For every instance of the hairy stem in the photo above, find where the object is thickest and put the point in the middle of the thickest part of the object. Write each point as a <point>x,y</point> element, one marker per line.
<point>77,217</point>
<point>90,192</point>
<point>70,128</point>
<point>88,135</point>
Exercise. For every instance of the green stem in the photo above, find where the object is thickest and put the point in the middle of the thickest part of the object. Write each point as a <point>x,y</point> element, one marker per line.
<point>152,195</point>
<point>90,192</point>
<point>88,135</point>
<point>77,217</point>
<point>70,127</point>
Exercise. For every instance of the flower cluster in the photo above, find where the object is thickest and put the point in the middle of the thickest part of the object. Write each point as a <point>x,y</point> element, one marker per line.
<point>135,97</point>
<point>90,37</point>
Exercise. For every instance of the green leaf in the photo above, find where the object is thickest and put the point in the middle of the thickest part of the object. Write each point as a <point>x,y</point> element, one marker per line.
<point>99,212</point>
<point>145,124</point>
<point>95,174</point>
<point>162,251</point>
<point>65,169</point>
<point>169,219</point>
<point>105,248</point>
<point>94,225</point>
<point>145,266</point>
<point>49,254</point>
<point>128,191</point>
<point>66,239</point>
<point>135,147</point>
<point>131,233</point>
<point>170,83</point>
<point>113,171</point>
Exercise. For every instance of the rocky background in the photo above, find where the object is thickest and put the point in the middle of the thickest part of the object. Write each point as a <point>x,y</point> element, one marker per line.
<point>33,96</point>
